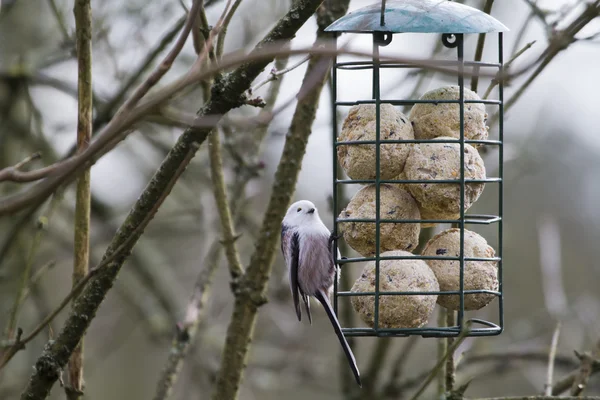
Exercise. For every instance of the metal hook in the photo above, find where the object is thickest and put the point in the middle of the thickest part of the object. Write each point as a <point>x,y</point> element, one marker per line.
<point>450,40</point>
<point>382,38</point>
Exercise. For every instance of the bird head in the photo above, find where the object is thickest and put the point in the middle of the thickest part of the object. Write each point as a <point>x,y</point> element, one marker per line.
<point>301,212</point>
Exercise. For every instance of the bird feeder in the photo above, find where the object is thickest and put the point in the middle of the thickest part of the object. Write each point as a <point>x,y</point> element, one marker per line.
<point>383,22</point>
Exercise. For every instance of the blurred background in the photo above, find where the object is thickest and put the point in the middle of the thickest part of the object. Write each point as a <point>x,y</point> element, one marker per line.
<point>551,231</point>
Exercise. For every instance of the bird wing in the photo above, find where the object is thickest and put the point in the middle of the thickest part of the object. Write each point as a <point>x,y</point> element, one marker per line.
<point>332,244</point>
<point>290,246</point>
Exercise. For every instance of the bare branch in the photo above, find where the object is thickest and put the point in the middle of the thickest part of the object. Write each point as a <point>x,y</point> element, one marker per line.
<point>275,74</point>
<point>42,226</point>
<point>572,380</point>
<point>107,111</point>
<point>487,8</point>
<point>450,363</point>
<point>496,80</point>
<point>81,251</point>
<point>437,368</point>
<point>229,237</point>
<point>14,173</point>
<point>551,358</point>
<point>223,32</point>
<point>588,360</point>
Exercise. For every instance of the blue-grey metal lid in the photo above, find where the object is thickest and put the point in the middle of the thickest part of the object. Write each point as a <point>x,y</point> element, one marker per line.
<point>433,16</point>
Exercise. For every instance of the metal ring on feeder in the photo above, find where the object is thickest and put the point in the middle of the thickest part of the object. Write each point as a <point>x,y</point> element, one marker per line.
<point>450,40</point>
<point>382,38</point>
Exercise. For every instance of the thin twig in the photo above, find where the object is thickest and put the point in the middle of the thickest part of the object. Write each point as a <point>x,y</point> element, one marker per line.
<point>559,41</point>
<point>398,366</point>
<point>275,74</point>
<point>573,379</point>
<point>436,369</point>
<point>108,110</point>
<point>551,358</point>
<point>377,362</point>
<point>539,13</point>
<point>549,239</point>
<point>165,65</point>
<point>562,360</point>
<point>14,173</point>
<point>487,8</point>
<point>81,250</point>
<point>450,364</point>
<point>496,80</point>
<point>521,34</point>
<point>442,348</point>
<point>229,237</point>
<point>60,20</point>
<point>588,360</point>
<point>223,32</point>
<point>42,226</point>
<point>36,277</point>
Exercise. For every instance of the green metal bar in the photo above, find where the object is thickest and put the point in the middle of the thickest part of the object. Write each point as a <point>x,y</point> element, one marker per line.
<point>397,102</point>
<point>501,173</point>
<point>392,64</point>
<point>417,257</point>
<point>461,105</point>
<point>419,221</point>
<point>419,293</point>
<point>399,141</point>
<point>334,179</point>
<point>367,181</point>
<point>377,94</point>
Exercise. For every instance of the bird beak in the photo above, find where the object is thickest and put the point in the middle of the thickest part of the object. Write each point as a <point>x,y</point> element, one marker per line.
<point>311,211</point>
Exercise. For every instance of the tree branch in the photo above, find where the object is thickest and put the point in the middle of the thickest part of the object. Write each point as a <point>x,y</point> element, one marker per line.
<point>487,8</point>
<point>440,364</point>
<point>42,225</point>
<point>450,363</point>
<point>551,358</point>
<point>108,109</point>
<point>229,237</point>
<point>81,256</point>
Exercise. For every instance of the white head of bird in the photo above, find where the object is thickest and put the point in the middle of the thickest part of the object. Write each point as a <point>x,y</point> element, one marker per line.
<point>302,212</point>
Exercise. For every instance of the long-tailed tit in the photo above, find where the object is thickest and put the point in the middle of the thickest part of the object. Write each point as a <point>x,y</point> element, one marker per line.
<point>306,246</point>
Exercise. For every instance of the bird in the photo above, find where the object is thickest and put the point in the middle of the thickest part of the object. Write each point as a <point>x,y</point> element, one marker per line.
<point>306,244</point>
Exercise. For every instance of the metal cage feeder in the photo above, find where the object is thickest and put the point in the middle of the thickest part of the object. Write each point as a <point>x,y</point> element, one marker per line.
<point>452,20</point>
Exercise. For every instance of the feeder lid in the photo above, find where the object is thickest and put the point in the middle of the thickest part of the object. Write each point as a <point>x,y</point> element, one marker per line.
<point>424,16</point>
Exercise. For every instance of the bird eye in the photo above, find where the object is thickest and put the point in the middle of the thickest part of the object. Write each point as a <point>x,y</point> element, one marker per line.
<point>299,209</point>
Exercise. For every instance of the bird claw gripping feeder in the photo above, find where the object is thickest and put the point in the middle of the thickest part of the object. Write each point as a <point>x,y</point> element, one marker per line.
<point>418,171</point>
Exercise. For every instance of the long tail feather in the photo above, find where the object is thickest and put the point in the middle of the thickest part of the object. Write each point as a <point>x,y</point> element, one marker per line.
<point>324,300</point>
<point>306,299</point>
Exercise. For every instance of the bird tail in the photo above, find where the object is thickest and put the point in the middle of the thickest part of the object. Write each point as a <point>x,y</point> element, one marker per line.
<point>324,300</point>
